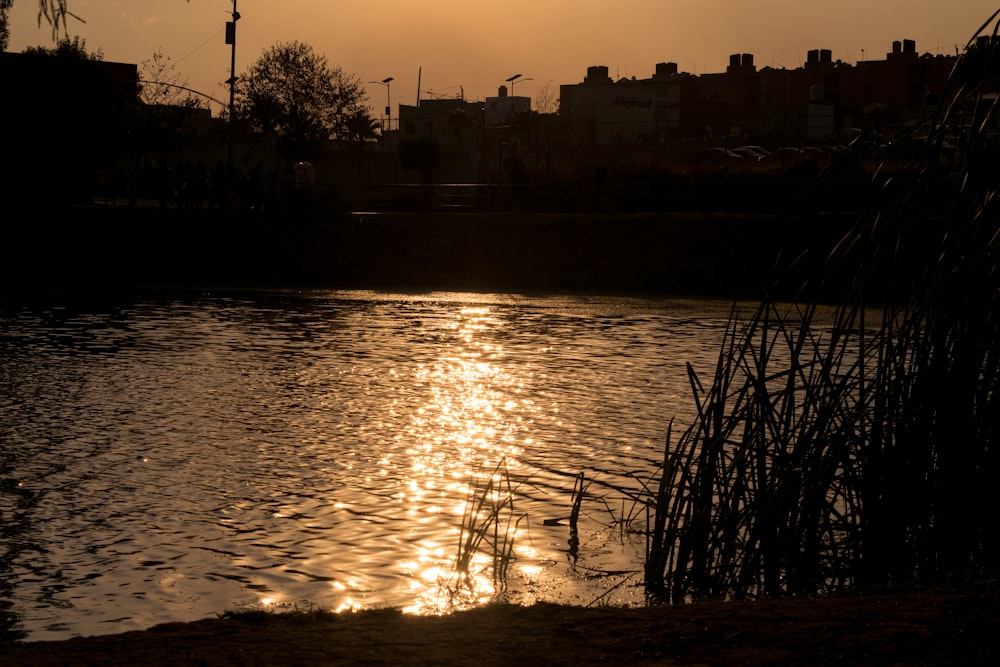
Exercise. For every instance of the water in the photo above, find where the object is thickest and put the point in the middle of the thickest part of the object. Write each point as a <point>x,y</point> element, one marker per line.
<point>171,456</point>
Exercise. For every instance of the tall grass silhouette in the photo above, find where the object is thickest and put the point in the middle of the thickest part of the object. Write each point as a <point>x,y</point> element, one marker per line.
<point>489,526</point>
<point>856,444</point>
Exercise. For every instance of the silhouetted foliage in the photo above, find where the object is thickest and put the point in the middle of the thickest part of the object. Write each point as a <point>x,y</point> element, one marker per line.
<point>459,120</point>
<point>162,120</point>
<point>68,49</point>
<point>547,98</point>
<point>160,84</point>
<point>856,446</point>
<point>293,95</point>
<point>420,154</point>
<point>73,115</point>
<point>980,64</point>
<point>361,127</point>
<point>880,116</point>
<point>5,6</point>
<point>54,12</point>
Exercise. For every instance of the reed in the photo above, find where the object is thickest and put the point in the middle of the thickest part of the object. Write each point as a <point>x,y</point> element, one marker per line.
<point>579,489</point>
<point>857,445</point>
<point>489,525</point>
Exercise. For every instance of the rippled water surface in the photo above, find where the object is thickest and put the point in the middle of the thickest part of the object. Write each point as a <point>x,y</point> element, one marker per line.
<point>171,457</point>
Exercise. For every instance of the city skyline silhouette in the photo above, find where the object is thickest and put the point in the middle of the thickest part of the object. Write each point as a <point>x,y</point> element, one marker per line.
<point>451,49</point>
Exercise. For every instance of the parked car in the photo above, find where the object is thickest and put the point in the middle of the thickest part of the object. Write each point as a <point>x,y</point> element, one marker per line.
<point>715,161</point>
<point>760,151</point>
<point>780,160</point>
<point>721,153</point>
<point>747,153</point>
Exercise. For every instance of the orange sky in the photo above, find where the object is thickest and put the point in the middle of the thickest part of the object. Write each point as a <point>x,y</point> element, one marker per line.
<point>462,45</point>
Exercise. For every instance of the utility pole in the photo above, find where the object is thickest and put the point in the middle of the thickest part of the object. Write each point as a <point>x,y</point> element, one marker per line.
<point>231,39</point>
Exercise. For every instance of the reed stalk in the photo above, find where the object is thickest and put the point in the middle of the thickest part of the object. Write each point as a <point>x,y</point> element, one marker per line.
<point>858,446</point>
<point>489,525</point>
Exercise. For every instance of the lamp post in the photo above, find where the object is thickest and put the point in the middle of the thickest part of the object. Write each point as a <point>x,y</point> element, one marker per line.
<point>511,106</point>
<point>388,104</point>
<point>511,80</point>
<point>231,39</point>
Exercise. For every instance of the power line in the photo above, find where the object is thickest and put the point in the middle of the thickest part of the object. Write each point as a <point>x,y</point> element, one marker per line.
<point>200,46</point>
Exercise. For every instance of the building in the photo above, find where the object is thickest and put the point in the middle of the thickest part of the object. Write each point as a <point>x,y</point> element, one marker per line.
<point>809,104</point>
<point>457,126</point>
<point>503,108</point>
<point>455,123</point>
<point>628,111</point>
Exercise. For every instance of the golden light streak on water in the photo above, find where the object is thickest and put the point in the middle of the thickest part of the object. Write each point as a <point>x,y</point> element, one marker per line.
<point>458,435</point>
<point>320,449</point>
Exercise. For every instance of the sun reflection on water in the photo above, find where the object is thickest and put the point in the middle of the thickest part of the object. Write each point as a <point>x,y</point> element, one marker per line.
<point>463,428</point>
<point>320,450</point>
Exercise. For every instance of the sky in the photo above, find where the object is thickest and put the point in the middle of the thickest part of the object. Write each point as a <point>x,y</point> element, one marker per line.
<point>451,48</point>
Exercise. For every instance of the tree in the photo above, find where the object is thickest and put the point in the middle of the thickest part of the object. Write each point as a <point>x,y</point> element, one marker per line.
<point>547,100</point>
<point>980,64</point>
<point>55,12</point>
<point>52,11</point>
<point>5,6</point>
<point>361,127</point>
<point>293,95</point>
<point>166,119</point>
<point>420,154</point>
<point>160,84</point>
<point>459,119</point>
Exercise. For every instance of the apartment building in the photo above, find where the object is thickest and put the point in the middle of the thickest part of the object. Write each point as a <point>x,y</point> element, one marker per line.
<point>821,98</point>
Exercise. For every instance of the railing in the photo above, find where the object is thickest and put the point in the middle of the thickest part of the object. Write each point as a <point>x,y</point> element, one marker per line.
<point>734,193</point>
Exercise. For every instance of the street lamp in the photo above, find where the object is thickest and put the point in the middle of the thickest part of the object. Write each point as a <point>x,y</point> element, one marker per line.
<point>388,104</point>
<point>231,39</point>
<point>511,80</point>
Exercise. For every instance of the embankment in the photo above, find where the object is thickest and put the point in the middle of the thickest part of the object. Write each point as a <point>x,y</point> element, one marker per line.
<point>721,254</point>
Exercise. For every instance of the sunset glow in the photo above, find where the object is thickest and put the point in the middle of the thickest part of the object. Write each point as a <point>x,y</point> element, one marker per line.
<point>458,48</point>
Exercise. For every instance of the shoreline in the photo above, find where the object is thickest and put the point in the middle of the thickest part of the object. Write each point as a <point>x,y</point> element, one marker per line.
<point>871,628</point>
<point>726,255</point>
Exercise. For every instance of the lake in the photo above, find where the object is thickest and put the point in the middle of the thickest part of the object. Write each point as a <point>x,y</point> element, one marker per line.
<point>171,455</point>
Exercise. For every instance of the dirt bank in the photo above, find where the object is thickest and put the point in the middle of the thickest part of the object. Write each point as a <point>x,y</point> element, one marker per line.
<point>874,629</point>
